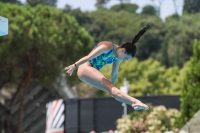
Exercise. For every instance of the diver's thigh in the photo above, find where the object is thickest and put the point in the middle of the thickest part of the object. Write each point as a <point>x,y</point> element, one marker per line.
<point>93,77</point>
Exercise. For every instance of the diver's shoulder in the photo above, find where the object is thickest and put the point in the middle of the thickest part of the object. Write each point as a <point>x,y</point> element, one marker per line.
<point>106,44</point>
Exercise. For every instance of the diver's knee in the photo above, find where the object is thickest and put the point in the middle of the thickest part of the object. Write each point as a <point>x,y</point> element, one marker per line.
<point>80,75</point>
<point>110,87</point>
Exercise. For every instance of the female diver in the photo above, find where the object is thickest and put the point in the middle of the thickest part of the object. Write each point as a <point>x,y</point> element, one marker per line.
<point>106,53</point>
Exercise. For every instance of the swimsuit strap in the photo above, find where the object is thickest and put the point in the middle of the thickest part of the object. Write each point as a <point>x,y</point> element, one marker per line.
<point>113,46</point>
<point>111,49</point>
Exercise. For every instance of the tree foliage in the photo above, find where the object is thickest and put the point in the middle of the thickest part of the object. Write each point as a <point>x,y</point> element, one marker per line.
<point>147,77</point>
<point>149,10</point>
<point>168,42</point>
<point>191,6</point>
<point>131,8</point>
<point>41,41</point>
<point>177,40</point>
<point>101,3</point>
<point>190,102</point>
<point>120,27</point>
<point>43,2</point>
<point>18,2</point>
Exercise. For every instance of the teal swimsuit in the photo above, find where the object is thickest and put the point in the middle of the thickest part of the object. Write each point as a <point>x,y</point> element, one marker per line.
<point>101,60</point>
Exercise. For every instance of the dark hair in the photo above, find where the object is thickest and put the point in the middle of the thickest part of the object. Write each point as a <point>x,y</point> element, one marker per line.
<point>130,46</point>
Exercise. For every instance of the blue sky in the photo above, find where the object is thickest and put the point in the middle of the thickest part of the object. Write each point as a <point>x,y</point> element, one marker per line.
<point>167,7</point>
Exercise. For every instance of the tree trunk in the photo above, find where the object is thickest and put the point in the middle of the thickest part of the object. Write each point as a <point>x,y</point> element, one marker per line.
<point>14,98</point>
<point>24,89</point>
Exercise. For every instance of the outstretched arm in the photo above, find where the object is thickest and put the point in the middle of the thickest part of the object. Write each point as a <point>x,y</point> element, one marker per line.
<point>104,47</point>
<point>115,68</point>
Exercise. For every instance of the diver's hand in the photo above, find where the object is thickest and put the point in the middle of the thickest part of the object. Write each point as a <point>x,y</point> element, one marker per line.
<point>69,69</point>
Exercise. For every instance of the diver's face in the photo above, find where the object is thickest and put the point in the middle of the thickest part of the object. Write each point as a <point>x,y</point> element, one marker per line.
<point>123,55</point>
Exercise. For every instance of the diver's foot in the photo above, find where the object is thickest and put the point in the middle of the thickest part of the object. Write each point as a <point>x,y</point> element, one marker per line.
<point>139,106</point>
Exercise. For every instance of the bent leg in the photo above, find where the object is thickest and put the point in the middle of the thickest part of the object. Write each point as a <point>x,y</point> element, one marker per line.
<point>118,99</point>
<point>91,76</point>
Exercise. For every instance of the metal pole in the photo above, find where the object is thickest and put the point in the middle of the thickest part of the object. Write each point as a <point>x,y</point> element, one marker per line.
<point>188,125</point>
<point>125,89</point>
<point>125,108</point>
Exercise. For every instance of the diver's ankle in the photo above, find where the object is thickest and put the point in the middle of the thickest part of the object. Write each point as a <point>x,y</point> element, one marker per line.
<point>134,102</point>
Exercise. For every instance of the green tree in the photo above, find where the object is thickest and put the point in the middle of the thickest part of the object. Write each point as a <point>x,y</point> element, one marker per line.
<point>149,10</point>
<point>43,2</point>
<point>190,102</point>
<point>81,17</point>
<point>18,2</point>
<point>191,6</point>
<point>176,45</point>
<point>147,77</point>
<point>41,42</point>
<point>168,42</point>
<point>67,8</point>
<point>101,3</point>
<point>119,27</point>
<point>131,8</point>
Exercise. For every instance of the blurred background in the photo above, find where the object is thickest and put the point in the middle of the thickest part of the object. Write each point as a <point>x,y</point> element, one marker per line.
<point>47,35</point>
